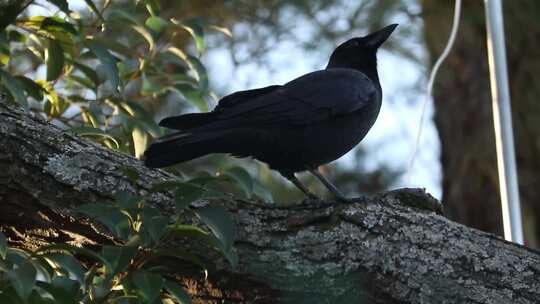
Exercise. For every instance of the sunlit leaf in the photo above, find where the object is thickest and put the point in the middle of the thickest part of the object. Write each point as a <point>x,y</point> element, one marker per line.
<point>72,249</point>
<point>90,131</point>
<point>141,140</point>
<point>194,64</point>
<point>67,262</point>
<point>224,30</point>
<point>153,7</point>
<point>56,25</point>
<point>146,35</point>
<point>195,27</point>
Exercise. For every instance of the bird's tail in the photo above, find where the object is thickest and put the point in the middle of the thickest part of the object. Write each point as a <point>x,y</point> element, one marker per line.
<point>180,147</point>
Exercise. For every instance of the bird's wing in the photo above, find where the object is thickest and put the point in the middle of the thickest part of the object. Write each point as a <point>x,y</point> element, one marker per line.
<point>313,97</point>
<point>237,98</point>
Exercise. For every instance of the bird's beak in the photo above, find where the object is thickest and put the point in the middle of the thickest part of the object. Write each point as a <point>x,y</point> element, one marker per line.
<point>377,38</point>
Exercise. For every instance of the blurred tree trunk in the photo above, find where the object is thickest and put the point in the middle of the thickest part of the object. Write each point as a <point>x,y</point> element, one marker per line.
<point>463,113</point>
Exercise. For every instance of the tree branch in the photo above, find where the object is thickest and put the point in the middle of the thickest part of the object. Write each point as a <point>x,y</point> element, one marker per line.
<point>390,248</point>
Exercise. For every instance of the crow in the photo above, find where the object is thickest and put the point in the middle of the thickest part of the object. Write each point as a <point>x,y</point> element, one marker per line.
<point>299,126</point>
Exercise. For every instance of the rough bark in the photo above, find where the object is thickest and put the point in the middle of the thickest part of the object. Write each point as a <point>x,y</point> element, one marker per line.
<point>389,248</point>
<point>463,114</point>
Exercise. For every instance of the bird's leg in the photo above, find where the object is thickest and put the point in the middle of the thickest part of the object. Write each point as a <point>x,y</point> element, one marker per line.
<point>335,191</point>
<point>301,186</point>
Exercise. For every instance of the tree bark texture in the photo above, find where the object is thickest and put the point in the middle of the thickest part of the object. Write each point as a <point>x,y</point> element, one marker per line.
<point>464,118</point>
<point>390,248</point>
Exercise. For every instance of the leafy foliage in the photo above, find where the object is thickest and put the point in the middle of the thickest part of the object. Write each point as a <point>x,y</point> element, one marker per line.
<point>95,83</point>
<point>131,272</point>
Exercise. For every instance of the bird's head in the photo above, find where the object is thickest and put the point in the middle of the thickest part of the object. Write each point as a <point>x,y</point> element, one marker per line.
<point>360,53</point>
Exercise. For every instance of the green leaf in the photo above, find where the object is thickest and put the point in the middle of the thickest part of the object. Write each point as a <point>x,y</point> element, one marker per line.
<point>115,46</point>
<point>126,200</point>
<point>202,75</point>
<point>73,249</point>
<point>180,254</point>
<point>14,88</point>
<point>153,85</point>
<point>108,61</point>
<point>67,284</point>
<point>193,96</point>
<point>220,222</point>
<point>54,58</point>
<point>32,88</point>
<point>185,194</point>
<point>263,193</point>
<point>61,4</point>
<point>117,14</point>
<point>116,221</point>
<point>179,230</point>
<point>56,26</point>
<point>131,173</point>
<point>139,117</point>
<point>146,35</point>
<point>156,226</point>
<point>83,81</point>
<point>88,72</point>
<point>3,246</point>
<point>153,7</point>
<point>242,178</point>
<point>195,27</point>
<point>148,284</point>
<point>60,295</point>
<point>118,257</point>
<point>90,131</point>
<point>194,64</point>
<point>177,292</point>
<point>156,24</point>
<point>23,278</point>
<point>67,262</point>
<point>94,9</point>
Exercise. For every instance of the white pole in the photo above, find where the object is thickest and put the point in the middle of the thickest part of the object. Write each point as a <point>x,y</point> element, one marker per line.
<point>502,118</point>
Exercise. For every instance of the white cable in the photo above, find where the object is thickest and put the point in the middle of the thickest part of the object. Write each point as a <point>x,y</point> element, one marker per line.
<point>433,74</point>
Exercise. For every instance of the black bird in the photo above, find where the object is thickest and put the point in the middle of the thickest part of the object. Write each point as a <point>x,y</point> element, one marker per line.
<point>298,126</point>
